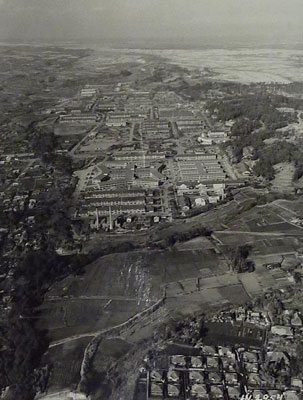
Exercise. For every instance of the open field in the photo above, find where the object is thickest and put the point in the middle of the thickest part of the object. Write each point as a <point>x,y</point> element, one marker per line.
<point>228,334</point>
<point>242,65</point>
<point>120,285</point>
<point>283,177</point>
<point>66,360</point>
<point>193,273</point>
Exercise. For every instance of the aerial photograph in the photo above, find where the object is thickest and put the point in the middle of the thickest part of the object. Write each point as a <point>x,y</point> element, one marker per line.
<point>151,199</point>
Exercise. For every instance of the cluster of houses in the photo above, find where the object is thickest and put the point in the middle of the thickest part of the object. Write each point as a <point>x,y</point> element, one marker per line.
<point>234,369</point>
<point>119,187</point>
<point>225,372</point>
<point>197,178</point>
<point>199,195</point>
<point>199,167</point>
<point>26,188</point>
<point>257,317</point>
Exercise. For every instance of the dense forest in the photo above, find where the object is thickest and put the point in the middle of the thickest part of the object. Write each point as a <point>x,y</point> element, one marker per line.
<point>256,119</point>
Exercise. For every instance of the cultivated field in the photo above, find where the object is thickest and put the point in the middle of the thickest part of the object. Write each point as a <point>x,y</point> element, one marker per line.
<point>118,286</point>
<point>66,361</point>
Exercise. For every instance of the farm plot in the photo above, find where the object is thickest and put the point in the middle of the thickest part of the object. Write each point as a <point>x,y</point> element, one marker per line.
<point>66,360</point>
<point>118,286</point>
<point>227,334</point>
<point>195,244</point>
<point>79,316</point>
<point>277,246</point>
<point>109,353</point>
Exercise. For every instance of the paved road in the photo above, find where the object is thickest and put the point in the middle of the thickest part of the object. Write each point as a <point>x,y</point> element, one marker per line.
<point>277,204</point>
<point>174,129</point>
<point>283,234</point>
<point>23,173</point>
<point>132,131</point>
<point>74,337</point>
<point>75,148</point>
<point>122,298</point>
<point>227,166</point>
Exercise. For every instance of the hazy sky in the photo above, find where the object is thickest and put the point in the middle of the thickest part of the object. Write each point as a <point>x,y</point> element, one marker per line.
<point>260,20</point>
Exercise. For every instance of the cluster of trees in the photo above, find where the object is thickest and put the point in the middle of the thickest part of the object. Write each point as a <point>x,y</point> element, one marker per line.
<point>296,363</point>
<point>258,107</point>
<point>239,259</point>
<point>278,152</point>
<point>298,171</point>
<point>257,118</point>
<point>23,343</point>
<point>188,330</point>
<point>169,237</point>
<point>293,87</point>
<point>43,142</point>
<point>244,127</point>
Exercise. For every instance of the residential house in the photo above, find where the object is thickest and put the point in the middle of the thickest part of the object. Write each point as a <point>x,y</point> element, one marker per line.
<point>173,390</point>
<point>156,390</point>
<point>217,392</point>
<point>212,363</point>
<point>214,377</point>
<point>199,391</point>
<point>196,377</point>
<point>231,378</point>
<point>196,362</point>
<point>156,376</point>
<point>234,393</point>
<point>178,361</point>
<point>172,376</point>
<point>281,330</point>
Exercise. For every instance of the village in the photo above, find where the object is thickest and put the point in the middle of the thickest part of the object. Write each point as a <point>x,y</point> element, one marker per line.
<point>249,352</point>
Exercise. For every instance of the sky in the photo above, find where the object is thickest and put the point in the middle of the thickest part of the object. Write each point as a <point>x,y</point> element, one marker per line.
<point>177,21</point>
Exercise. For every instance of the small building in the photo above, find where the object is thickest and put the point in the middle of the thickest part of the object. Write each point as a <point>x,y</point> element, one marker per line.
<point>200,202</point>
<point>254,379</point>
<point>226,352</point>
<point>212,363</point>
<point>199,391</point>
<point>196,362</point>
<point>280,330</point>
<point>213,199</point>
<point>172,376</point>
<point>209,350</point>
<point>217,392</point>
<point>196,377</point>
<point>231,378</point>
<point>173,390</point>
<point>290,395</point>
<point>218,137</point>
<point>251,367</point>
<point>296,320</point>
<point>156,376</point>
<point>234,393</point>
<point>215,377</point>
<point>249,357</point>
<point>297,383</point>
<point>156,390</point>
<point>178,361</point>
<point>228,365</point>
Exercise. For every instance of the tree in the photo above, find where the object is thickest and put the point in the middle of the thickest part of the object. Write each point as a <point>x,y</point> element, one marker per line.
<point>44,142</point>
<point>239,258</point>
